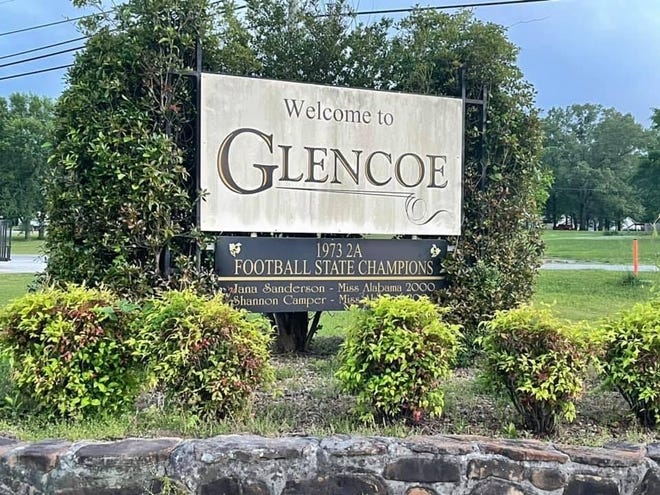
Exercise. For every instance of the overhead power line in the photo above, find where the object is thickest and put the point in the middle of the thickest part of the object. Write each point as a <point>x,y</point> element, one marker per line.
<point>55,23</point>
<point>73,19</point>
<point>13,76</point>
<point>437,7</point>
<point>39,57</point>
<point>363,12</point>
<point>38,49</point>
<point>357,13</point>
<point>44,47</point>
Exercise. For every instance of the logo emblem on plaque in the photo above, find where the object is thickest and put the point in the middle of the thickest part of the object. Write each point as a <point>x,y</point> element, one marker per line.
<point>235,249</point>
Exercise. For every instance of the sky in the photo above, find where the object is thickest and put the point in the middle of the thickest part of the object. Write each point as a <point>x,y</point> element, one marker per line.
<point>572,51</point>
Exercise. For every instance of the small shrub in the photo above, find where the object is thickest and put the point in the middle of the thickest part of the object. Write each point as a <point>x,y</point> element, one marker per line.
<point>539,361</point>
<point>396,352</point>
<point>631,363</point>
<point>68,351</point>
<point>207,357</point>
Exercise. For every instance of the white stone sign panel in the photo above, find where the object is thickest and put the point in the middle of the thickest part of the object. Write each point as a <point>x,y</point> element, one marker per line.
<point>301,158</point>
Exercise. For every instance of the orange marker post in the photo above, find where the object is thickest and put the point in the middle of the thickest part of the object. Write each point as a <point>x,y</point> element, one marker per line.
<point>635,257</point>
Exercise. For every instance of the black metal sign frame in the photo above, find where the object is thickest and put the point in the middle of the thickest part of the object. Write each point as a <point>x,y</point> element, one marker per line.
<point>395,247</point>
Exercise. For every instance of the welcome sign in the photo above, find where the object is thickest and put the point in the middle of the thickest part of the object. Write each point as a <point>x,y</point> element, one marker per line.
<point>288,157</point>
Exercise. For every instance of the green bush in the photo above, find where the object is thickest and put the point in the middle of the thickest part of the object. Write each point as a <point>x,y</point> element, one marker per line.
<point>206,356</point>
<point>396,352</point>
<point>632,359</point>
<point>68,351</point>
<point>539,361</point>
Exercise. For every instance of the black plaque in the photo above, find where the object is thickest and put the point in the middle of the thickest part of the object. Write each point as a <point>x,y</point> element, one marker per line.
<point>278,274</point>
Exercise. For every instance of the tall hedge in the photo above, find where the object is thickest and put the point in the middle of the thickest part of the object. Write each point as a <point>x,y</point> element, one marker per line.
<point>119,191</point>
<point>495,259</point>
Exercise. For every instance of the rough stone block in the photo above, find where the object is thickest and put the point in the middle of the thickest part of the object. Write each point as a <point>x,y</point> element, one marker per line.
<point>249,448</point>
<point>8,444</point>
<point>341,484</point>
<point>39,456</point>
<point>494,486</point>
<point>347,446</point>
<point>486,468</point>
<point>653,451</point>
<point>650,484</point>
<point>603,457</point>
<point>438,445</point>
<point>126,452</point>
<point>547,479</point>
<point>232,486</point>
<point>627,446</point>
<point>523,451</point>
<point>582,484</point>
<point>419,490</point>
<point>423,470</point>
<point>154,488</point>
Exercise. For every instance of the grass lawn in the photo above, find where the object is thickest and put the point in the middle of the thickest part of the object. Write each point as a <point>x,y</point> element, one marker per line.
<point>13,285</point>
<point>21,246</point>
<point>592,294</point>
<point>596,246</point>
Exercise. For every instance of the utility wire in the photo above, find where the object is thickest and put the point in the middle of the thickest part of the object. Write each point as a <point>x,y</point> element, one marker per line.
<point>348,14</point>
<point>42,47</point>
<point>364,12</point>
<point>72,19</point>
<point>436,7</point>
<point>39,57</point>
<point>55,23</point>
<point>13,76</point>
<point>54,45</point>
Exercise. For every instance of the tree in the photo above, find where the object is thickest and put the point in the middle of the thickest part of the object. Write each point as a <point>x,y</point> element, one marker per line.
<point>647,176</point>
<point>25,131</point>
<point>120,193</point>
<point>592,152</point>
<point>494,262</point>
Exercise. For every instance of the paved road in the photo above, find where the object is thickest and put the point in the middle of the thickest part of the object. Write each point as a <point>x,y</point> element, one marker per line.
<point>23,263</point>
<point>33,263</point>
<point>578,265</point>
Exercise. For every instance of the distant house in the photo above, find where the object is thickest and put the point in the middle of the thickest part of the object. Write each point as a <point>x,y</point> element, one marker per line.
<point>630,224</point>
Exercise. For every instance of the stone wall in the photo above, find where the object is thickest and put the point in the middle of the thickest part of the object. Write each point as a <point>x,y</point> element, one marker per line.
<point>251,465</point>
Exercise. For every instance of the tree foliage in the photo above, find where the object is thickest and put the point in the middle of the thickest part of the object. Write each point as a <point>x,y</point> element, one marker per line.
<point>496,257</point>
<point>592,152</point>
<point>25,131</point>
<point>120,189</point>
<point>647,176</point>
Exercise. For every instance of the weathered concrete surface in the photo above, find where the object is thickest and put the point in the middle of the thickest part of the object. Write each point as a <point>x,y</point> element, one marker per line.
<point>338,465</point>
<point>24,263</point>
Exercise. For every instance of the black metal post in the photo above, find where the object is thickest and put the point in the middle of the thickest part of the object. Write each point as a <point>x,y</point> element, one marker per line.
<point>483,104</point>
<point>198,143</point>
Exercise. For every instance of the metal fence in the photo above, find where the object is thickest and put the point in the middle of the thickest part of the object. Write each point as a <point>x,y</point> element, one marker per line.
<point>5,240</point>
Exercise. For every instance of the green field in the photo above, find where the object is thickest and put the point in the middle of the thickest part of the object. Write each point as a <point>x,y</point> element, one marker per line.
<point>592,294</point>
<point>13,285</point>
<point>21,246</point>
<point>598,247</point>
